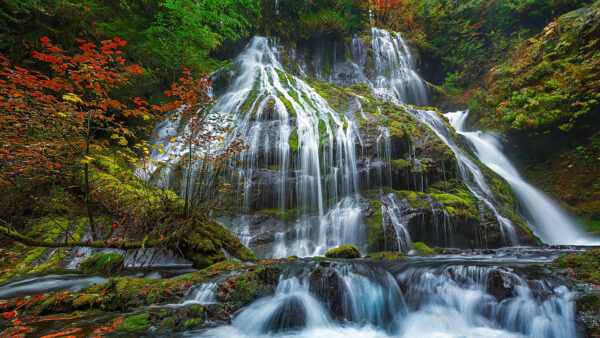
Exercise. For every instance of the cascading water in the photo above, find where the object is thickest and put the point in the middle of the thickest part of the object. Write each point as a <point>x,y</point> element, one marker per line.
<point>303,167</point>
<point>392,56</point>
<point>550,223</point>
<point>449,298</point>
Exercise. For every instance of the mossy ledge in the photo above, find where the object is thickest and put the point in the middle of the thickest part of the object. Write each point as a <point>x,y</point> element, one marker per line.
<point>106,264</point>
<point>237,285</point>
<point>584,271</point>
<point>422,249</point>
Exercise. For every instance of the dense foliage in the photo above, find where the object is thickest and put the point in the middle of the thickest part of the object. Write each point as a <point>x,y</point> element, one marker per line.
<point>462,39</point>
<point>546,96</point>
<point>308,19</point>
<point>164,36</point>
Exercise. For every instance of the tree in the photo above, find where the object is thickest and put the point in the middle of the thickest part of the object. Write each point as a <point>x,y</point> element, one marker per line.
<point>56,126</point>
<point>47,119</point>
<point>202,144</point>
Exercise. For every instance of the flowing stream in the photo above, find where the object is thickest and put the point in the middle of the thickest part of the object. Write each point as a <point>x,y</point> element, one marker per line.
<point>453,296</point>
<point>548,220</point>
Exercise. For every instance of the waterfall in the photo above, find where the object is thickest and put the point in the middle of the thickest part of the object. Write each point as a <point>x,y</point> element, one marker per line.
<point>302,166</point>
<point>416,299</point>
<point>543,215</point>
<point>392,56</point>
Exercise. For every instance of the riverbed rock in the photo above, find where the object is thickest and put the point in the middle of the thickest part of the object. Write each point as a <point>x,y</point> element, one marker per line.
<point>325,285</point>
<point>501,284</point>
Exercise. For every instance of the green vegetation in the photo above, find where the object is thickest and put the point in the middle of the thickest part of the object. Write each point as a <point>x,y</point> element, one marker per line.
<point>105,264</point>
<point>164,37</point>
<point>304,20</point>
<point>135,323</point>
<point>546,97</point>
<point>344,251</point>
<point>463,39</point>
<point>386,256</point>
<point>584,267</point>
<point>422,249</point>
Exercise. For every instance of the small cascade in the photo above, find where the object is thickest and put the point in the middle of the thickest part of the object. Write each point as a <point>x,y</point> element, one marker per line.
<point>548,220</point>
<point>291,308</point>
<point>486,302</point>
<point>392,214</point>
<point>469,171</point>
<point>202,295</point>
<point>441,222</point>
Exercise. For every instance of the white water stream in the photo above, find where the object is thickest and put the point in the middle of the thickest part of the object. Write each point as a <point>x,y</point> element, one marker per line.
<point>549,221</point>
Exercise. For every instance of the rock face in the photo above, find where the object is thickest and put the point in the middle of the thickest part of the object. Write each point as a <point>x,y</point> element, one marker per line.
<point>325,284</point>
<point>501,284</point>
<point>344,251</point>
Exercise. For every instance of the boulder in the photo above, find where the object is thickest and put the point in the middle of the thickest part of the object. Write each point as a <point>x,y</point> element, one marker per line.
<point>325,284</point>
<point>501,284</point>
<point>344,251</point>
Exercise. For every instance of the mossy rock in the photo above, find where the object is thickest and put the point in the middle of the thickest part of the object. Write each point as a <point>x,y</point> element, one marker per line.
<point>344,251</point>
<point>422,249</point>
<point>135,323</point>
<point>585,267</point>
<point>386,255</point>
<point>104,264</point>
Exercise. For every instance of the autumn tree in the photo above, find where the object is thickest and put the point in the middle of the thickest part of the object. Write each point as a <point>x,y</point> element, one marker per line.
<point>56,122</point>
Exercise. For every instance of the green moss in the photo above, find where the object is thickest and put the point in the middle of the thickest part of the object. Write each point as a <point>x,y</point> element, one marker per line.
<point>319,258</point>
<point>585,267</point>
<point>344,251</point>
<point>422,249</point>
<point>386,255</point>
<point>457,199</point>
<point>192,323</point>
<point>135,323</point>
<point>400,165</point>
<point>293,140</point>
<point>105,264</point>
<point>288,105</point>
<point>374,224</point>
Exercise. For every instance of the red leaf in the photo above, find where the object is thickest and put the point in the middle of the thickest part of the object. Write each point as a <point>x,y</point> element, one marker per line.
<point>10,314</point>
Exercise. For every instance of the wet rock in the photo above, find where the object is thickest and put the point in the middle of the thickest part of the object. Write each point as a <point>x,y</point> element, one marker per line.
<point>103,264</point>
<point>261,239</point>
<point>501,284</point>
<point>325,285</point>
<point>291,315</point>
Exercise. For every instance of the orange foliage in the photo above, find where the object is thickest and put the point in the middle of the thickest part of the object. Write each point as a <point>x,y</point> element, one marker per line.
<point>47,119</point>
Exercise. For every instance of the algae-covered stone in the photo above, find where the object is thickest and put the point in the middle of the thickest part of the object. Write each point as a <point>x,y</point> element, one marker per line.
<point>105,264</point>
<point>422,249</point>
<point>344,251</point>
<point>386,255</point>
<point>135,323</point>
